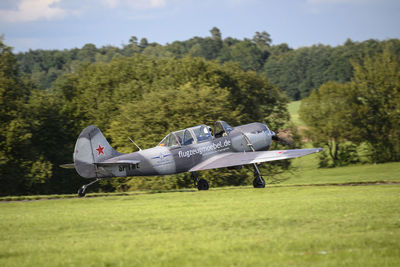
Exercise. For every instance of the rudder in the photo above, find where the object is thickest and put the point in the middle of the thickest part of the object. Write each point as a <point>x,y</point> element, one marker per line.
<point>91,147</point>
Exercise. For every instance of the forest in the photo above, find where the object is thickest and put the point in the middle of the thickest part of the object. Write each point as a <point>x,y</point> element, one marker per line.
<point>142,90</point>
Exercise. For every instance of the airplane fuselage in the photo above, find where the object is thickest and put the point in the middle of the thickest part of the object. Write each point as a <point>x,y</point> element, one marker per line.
<point>191,150</point>
<point>163,160</point>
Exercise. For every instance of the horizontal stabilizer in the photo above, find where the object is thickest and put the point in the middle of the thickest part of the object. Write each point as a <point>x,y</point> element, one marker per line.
<point>117,162</point>
<point>68,166</point>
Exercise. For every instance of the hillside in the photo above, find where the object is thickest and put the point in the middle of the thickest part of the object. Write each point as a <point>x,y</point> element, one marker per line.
<point>295,71</point>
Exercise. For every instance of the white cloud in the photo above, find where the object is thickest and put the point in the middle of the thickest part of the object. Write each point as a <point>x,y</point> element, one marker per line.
<point>135,4</point>
<point>31,10</point>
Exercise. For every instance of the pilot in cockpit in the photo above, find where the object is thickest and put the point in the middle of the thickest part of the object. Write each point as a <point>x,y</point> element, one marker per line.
<point>203,133</point>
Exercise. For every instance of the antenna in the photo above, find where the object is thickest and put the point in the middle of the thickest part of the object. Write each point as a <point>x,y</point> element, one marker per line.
<point>134,143</point>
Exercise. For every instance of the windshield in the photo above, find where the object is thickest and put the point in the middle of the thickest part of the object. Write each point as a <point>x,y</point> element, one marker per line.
<point>189,136</point>
<point>201,132</point>
<point>173,139</point>
<point>221,128</point>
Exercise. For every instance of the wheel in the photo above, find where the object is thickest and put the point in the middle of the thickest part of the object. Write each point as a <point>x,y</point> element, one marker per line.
<point>81,192</point>
<point>259,182</point>
<point>203,184</point>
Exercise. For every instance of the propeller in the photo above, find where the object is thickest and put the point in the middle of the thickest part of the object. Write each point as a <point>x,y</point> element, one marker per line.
<point>284,137</point>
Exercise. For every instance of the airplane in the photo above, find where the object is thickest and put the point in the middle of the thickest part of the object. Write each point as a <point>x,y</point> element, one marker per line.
<point>190,150</point>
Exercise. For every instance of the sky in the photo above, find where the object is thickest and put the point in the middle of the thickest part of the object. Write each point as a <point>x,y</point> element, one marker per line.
<point>65,24</point>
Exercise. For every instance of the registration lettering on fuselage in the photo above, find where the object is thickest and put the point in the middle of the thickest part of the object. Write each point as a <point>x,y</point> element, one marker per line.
<point>207,149</point>
<point>128,167</point>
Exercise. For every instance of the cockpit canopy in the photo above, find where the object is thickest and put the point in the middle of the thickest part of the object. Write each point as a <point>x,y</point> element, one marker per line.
<point>192,135</point>
<point>196,134</point>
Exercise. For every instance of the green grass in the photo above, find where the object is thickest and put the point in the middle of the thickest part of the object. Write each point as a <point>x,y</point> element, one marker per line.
<point>278,226</point>
<point>306,172</point>
<point>293,108</point>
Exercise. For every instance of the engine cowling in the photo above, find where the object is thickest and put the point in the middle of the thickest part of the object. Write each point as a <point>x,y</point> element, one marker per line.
<point>251,137</point>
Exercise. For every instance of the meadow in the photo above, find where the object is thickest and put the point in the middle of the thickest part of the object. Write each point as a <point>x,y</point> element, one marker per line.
<point>293,108</point>
<point>348,216</point>
<point>276,226</point>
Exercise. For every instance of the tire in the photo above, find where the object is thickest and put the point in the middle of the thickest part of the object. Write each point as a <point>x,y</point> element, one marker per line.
<point>203,184</point>
<point>259,182</point>
<point>81,192</point>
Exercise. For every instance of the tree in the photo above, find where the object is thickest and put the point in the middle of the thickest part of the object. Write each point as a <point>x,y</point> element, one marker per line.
<point>143,43</point>
<point>87,53</point>
<point>13,134</point>
<point>262,39</point>
<point>247,55</point>
<point>216,34</point>
<point>23,169</point>
<point>53,131</point>
<point>363,111</point>
<point>326,113</point>
<point>375,104</point>
<point>280,49</point>
<point>133,40</point>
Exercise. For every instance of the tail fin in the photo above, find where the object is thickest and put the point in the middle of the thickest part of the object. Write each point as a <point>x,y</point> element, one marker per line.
<point>91,147</point>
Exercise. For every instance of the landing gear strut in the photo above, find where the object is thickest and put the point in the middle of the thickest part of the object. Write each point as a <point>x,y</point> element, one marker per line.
<point>258,181</point>
<point>201,184</point>
<point>82,190</point>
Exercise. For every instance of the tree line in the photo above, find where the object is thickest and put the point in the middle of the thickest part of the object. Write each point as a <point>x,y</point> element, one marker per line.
<point>296,72</point>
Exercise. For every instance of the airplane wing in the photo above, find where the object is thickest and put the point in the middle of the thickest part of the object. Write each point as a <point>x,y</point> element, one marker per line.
<point>230,159</point>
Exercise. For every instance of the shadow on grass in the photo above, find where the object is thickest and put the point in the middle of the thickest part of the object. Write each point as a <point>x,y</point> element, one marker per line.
<point>189,190</point>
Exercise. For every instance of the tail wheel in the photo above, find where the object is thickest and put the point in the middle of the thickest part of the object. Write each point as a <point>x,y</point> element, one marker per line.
<point>82,192</point>
<point>203,184</point>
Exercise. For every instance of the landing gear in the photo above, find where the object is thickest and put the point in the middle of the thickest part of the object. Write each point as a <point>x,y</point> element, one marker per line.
<point>201,184</point>
<point>82,190</point>
<point>258,181</point>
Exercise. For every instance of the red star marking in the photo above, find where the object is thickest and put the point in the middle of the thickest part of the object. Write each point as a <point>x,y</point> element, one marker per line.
<point>100,150</point>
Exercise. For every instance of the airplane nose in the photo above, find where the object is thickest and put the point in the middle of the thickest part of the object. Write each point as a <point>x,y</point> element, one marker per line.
<point>270,134</point>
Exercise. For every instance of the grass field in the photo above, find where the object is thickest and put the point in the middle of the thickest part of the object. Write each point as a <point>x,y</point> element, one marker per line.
<point>293,108</point>
<point>278,226</point>
<point>307,172</point>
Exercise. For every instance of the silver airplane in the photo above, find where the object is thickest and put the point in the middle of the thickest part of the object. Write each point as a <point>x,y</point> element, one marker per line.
<point>190,150</point>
